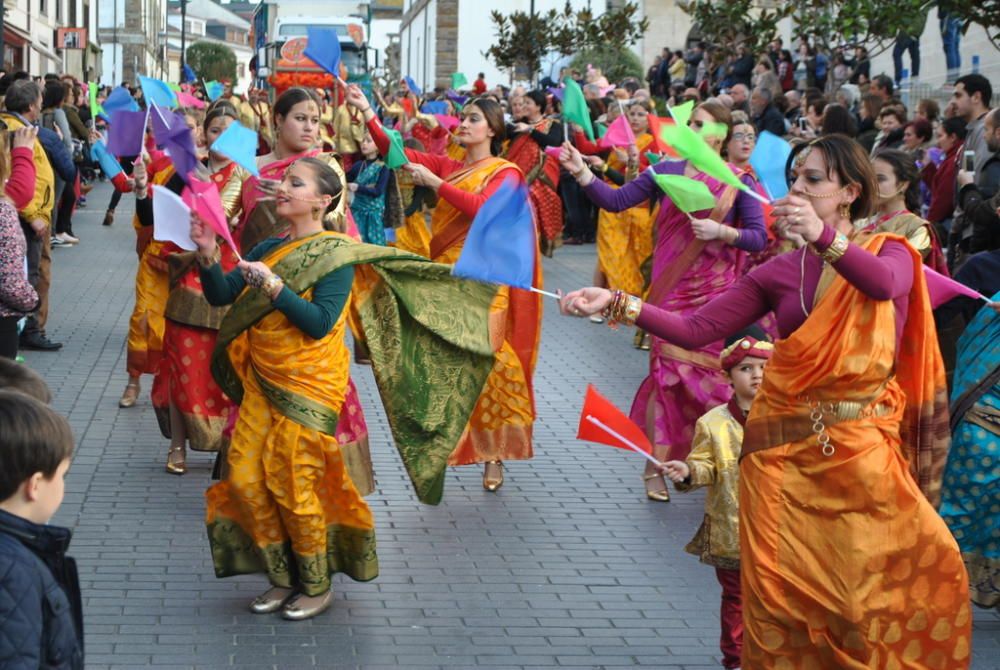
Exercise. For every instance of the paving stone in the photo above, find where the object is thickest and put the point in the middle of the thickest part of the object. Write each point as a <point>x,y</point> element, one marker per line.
<point>566,566</point>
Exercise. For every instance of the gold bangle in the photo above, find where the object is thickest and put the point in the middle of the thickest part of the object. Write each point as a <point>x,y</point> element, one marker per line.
<point>208,261</point>
<point>272,282</point>
<point>632,307</point>
<point>836,250</point>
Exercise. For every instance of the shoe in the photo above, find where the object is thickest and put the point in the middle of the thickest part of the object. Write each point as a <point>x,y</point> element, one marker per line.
<point>69,238</point>
<point>271,600</point>
<point>297,610</point>
<point>64,240</point>
<point>176,466</point>
<point>597,318</point>
<point>109,218</point>
<point>38,342</point>
<point>56,241</point>
<point>493,475</point>
<point>661,495</point>
<point>130,395</point>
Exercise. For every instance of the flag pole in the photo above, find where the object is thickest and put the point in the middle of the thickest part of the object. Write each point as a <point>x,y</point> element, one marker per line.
<point>624,440</point>
<point>548,293</point>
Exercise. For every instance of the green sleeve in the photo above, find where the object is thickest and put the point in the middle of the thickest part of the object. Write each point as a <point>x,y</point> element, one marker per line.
<point>222,289</point>
<point>317,317</point>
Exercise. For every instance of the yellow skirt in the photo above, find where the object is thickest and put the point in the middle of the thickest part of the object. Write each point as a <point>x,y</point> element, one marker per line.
<point>147,323</point>
<point>624,242</point>
<point>414,235</point>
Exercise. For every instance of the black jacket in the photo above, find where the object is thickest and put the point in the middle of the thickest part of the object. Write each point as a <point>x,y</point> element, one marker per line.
<point>979,203</point>
<point>41,613</point>
<point>771,120</point>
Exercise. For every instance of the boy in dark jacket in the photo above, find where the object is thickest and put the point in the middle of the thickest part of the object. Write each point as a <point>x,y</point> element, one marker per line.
<point>41,617</point>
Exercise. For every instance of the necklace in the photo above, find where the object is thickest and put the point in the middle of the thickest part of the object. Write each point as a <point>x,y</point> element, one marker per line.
<point>802,282</point>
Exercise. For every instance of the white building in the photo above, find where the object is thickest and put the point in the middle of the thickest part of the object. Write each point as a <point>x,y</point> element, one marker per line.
<point>131,34</point>
<point>29,37</point>
<point>208,21</point>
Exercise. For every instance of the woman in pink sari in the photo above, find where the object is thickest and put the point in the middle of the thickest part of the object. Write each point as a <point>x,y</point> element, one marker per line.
<point>695,259</point>
<point>296,116</point>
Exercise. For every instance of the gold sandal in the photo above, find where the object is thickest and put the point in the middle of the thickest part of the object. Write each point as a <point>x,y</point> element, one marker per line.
<point>130,395</point>
<point>492,481</point>
<point>659,496</point>
<point>178,467</point>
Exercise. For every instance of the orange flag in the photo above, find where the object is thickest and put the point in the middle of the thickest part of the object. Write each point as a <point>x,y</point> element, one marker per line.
<point>656,124</point>
<point>610,421</point>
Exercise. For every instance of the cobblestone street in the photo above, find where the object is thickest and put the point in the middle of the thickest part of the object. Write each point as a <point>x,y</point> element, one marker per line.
<point>566,566</point>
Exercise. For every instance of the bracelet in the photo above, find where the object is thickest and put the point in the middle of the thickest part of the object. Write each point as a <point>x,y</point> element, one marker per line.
<point>271,283</point>
<point>623,308</point>
<point>835,251</point>
<point>208,261</point>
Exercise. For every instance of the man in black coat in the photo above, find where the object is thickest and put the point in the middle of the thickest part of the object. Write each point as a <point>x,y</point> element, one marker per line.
<point>765,115</point>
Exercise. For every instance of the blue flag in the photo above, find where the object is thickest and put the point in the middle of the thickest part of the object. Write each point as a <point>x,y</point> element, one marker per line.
<point>120,98</point>
<point>500,246</point>
<point>323,48</point>
<point>109,166</point>
<point>157,92</point>
<point>214,90</point>
<point>189,75</point>
<point>435,107</point>
<point>412,85</point>
<point>239,144</point>
<point>768,159</point>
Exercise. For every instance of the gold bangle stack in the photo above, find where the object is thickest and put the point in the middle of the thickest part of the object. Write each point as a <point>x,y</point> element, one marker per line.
<point>835,251</point>
<point>272,282</point>
<point>208,261</point>
<point>623,308</point>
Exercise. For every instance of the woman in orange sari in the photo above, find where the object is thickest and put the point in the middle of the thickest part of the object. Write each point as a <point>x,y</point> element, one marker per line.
<point>296,118</point>
<point>531,134</point>
<point>501,426</point>
<point>845,563</point>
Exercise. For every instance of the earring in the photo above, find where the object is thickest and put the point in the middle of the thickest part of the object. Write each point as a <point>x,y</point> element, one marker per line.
<point>315,212</point>
<point>845,210</point>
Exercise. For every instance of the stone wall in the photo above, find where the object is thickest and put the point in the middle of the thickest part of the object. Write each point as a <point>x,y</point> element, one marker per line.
<point>446,49</point>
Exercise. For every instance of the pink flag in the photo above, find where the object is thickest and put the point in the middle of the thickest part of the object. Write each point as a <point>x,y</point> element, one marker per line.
<point>447,122</point>
<point>188,100</point>
<point>202,197</point>
<point>619,134</point>
<point>942,289</point>
<point>553,152</point>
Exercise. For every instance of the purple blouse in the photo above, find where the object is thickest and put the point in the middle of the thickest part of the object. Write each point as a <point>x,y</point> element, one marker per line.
<point>752,233</point>
<point>785,285</point>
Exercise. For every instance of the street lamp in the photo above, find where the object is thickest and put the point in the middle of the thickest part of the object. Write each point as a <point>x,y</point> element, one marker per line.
<point>183,36</point>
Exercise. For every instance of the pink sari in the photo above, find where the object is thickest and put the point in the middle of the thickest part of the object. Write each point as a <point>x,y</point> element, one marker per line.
<point>687,273</point>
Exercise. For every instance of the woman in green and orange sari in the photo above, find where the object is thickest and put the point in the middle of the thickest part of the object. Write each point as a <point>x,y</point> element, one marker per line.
<point>296,119</point>
<point>845,563</point>
<point>501,427</point>
<point>288,506</point>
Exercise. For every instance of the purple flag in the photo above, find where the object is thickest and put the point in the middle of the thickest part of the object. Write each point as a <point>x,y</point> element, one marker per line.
<point>557,92</point>
<point>126,133</point>
<point>171,133</point>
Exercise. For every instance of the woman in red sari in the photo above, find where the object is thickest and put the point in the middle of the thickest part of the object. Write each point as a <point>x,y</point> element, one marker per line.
<point>531,134</point>
<point>502,424</point>
<point>296,117</point>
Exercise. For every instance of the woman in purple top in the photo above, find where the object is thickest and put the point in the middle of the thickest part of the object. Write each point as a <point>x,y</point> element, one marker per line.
<point>695,259</point>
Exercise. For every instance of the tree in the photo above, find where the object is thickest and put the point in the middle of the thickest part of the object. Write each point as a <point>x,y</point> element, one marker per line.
<point>847,23</point>
<point>736,23</point>
<point>523,39</point>
<point>212,62</point>
<point>984,12</point>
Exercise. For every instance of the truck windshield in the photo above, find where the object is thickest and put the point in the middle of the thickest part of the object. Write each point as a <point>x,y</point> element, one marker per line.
<point>353,60</point>
<point>288,30</point>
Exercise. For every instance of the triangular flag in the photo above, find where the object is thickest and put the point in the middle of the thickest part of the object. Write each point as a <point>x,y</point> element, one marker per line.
<point>690,195</point>
<point>942,289</point>
<point>188,100</point>
<point>575,110</point>
<point>434,107</point>
<point>157,92</point>
<point>619,134</point>
<point>692,147</point>
<point>458,80</point>
<point>214,90</point>
<point>500,245</point>
<point>120,98</point>
<point>656,125</point>
<point>447,121</point>
<point>238,143</point>
<point>126,133</point>
<point>412,85</point>
<point>396,157</point>
<point>177,140</point>
<point>189,74</point>
<point>202,197</point>
<point>600,408</point>
<point>653,158</point>
<point>323,48</point>
<point>681,114</point>
<point>95,109</point>
<point>769,158</point>
<point>171,218</point>
<point>459,100</point>
<point>557,92</point>
<point>109,166</point>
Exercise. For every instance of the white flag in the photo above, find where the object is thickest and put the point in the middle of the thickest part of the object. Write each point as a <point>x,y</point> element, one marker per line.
<point>171,219</point>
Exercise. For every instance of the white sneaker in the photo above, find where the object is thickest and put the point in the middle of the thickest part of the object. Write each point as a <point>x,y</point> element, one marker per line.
<point>597,318</point>
<point>69,238</point>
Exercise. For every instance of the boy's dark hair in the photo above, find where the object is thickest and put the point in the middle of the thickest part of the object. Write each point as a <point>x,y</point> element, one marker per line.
<point>753,330</point>
<point>33,438</point>
<point>17,377</point>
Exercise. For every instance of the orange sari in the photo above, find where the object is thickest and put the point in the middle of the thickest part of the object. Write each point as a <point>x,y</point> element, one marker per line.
<point>501,425</point>
<point>845,563</point>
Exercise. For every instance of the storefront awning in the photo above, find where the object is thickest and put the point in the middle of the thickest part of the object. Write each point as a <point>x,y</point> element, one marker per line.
<point>15,37</point>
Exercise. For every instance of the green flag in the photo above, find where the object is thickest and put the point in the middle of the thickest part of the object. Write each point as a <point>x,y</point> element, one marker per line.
<point>396,156</point>
<point>682,113</point>
<point>575,108</point>
<point>713,129</point>
<point>690,195</point>
<point>692,147</point>
<point>95,108</point>
<point>652,157</point>
<point>176,88</point>
<point>458,80</point>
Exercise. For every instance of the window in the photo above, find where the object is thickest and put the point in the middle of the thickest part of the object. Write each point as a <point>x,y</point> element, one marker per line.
<point>42,9</point>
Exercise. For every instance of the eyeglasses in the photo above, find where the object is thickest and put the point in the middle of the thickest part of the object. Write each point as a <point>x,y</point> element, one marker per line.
<point>740,137</point>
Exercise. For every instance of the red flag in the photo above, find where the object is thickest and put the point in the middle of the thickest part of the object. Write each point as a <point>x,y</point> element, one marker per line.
<point>656,124</point>
<point>942,289</point>
<point>597,406</point>
<point>203,199</point>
